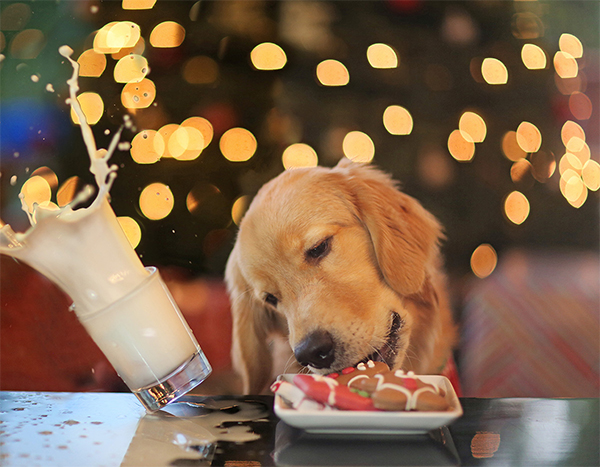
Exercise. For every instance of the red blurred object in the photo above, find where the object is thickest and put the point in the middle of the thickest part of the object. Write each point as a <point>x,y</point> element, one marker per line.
<point>405,6</point>
<point>43,347</point>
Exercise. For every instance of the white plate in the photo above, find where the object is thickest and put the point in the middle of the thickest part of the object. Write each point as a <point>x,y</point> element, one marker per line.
<point>375,422</point>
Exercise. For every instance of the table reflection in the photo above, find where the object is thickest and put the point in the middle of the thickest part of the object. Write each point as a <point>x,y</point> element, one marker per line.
<point>297,447</point>
<point>99,429</point>
<point>530,432</point>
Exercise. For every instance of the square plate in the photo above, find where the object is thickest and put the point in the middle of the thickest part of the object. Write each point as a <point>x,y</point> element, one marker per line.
<point>371,422</point>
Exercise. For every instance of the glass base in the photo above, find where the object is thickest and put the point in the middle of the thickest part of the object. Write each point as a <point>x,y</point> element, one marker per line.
<point>181,381</point>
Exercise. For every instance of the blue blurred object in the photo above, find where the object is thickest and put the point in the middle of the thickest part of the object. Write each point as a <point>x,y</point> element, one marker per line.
<point>29,126</point>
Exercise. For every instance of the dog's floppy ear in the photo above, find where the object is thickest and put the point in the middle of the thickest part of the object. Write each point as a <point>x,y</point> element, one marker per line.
<point>249,352</point>
<point>404,234</point>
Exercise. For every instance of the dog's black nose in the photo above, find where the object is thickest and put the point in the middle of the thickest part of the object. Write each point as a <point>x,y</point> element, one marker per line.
<point>317,350</point>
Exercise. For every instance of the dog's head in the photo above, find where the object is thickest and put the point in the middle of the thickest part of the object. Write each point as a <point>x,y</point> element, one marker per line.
<point>329,256</point>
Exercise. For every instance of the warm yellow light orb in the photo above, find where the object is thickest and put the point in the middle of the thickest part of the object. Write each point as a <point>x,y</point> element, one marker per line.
<point>397,120</point>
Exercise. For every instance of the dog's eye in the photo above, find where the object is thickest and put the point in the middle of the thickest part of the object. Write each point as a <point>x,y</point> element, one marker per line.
<point>271,300</point>
<point>320,251</point>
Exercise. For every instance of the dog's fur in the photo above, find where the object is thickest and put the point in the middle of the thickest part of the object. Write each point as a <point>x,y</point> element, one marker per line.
<point>341,252</point>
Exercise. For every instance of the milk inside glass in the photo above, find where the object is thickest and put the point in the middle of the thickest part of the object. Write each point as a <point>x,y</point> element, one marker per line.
<point>125,307</point>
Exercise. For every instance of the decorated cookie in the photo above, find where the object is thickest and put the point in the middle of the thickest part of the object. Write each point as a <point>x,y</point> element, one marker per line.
<point>396,390</point>
<point>351,375</point>
<point>294,397</point>
<point>327,391</point>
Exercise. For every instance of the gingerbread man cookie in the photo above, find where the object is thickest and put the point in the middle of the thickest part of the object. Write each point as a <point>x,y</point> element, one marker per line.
<point>349,376</point>
<point>396,390</point>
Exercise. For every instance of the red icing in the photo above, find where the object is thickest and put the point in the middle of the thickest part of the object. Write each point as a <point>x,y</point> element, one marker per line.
<point>409,383</point>
<point>338,396</point>
<point>333,375</point>
<point>275,386</point>
<point>348,370</point>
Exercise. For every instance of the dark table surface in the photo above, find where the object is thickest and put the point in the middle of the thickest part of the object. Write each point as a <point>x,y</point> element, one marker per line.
<point>93,429</point>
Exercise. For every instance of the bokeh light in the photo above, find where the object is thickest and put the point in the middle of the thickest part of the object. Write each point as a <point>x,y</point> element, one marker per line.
<point>132,230</point>
<point>268,56</point>
<point>573,188</point>
<point>382,56</point>
<point>571,45</point>
<point>580,106</point>
<point>122,34</point>
<point>137,49</point>
<point>239,208</point>
<point>521,173</point>
<point>166,131</point>
<point>582,153</point>
<point>186,143</point>
<point>100,44</point>
<point>67,191</point>
<point>570,85</point>
<point>299,155</point>
<point>529,137</point>
<point>203,126</point>
<point>590,173</point>
<point>91,63</point>
<point>156,201</point>
<point>36,190</point>
<point>494,71</point>
<point>27,44</point>
<point>516,207</point>
<point>167,34</point>
<point>569,162</point>
<point>460,148</point>
<point>472,127</point>
<point>15,17</point>
<point>238,144</point>
<point>358,147</point>
<point>397,120</point>
<point>543,166</point>
<point>92,106</point>
<point>569,131</point>
<point>565,65</point>
<point>527,25</point>
<point>332,73</point>
<point>200,70</point>
<point>534,57</point>
<point>147,147</point>
<point>137,4</point>
<point>138,95</point>
<point>47,174</point>
<point>511,148</point>
<point>131,69</point>
<point>116,35</point>
<point>484,260</point>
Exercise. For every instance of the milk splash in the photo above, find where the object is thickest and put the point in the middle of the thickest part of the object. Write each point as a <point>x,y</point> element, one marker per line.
<point>56,244</point>
<point>125,307</point>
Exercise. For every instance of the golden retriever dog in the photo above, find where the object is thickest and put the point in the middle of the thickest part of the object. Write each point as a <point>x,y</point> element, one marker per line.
<point>346,268</point>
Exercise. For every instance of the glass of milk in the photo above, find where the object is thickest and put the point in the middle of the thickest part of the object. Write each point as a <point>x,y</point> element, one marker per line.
<point>125,307</point>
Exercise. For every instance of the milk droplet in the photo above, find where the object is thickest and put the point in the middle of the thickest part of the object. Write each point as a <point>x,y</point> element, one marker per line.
<point>65,50</point>
<point>49,87</point>
<point>35,78</point>
<point>13,180</point>
<point>2,57</point>
<point>124,146</point>
<point>94,9</point>
<point>107,132</point>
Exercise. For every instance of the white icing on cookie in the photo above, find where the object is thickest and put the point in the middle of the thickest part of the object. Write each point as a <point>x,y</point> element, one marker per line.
<point>411,397</point>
